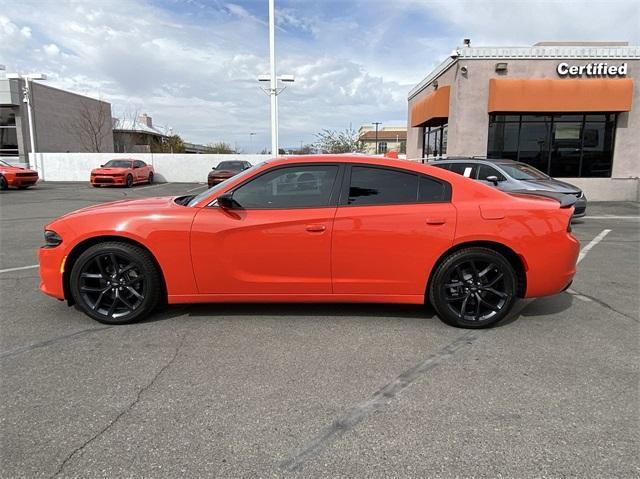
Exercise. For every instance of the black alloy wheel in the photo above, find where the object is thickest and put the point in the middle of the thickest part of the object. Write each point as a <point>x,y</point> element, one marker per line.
<point>3,183</point>
<point>473,288</point>
<point>115,283</point>
<point>129,181</point>
<point>150,178</point>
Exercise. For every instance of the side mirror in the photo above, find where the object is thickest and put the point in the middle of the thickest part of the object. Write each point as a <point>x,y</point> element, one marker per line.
<point>493,179</point>
<point>213,168</point>
<point>226,201</point>
<point>101,166</point>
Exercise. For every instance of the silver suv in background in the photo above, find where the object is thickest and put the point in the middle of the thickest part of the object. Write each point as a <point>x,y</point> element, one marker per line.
<point>509,175</point>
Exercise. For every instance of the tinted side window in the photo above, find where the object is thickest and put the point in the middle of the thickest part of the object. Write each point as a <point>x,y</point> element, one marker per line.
<point>139,164</point>
<point>291,187</point>
<point>465,169</point>
<point>444,166</point>
<point>433,191</point>
<point>486,171</point>
<point>378,186</point>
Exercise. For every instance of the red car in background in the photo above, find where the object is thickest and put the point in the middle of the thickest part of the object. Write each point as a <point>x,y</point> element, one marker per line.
<point>16,176</point>
<point>127,172</point>
<point>226,170</point>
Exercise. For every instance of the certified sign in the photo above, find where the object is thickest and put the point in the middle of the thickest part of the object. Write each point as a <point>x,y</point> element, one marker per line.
<point>592,70</point>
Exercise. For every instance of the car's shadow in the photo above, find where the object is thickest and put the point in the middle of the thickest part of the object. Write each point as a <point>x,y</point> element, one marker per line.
<point>522,308</point>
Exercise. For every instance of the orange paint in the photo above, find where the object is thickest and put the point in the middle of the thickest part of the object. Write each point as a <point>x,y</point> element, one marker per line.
<point>433,107</point>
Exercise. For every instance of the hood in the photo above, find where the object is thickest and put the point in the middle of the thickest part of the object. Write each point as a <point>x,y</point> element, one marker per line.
<point>223,173</point>
<point>108,171</point>
<point>152,205</point>
<point>550,185</point>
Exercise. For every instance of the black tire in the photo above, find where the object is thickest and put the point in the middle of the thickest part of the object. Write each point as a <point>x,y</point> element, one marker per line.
<point>129,181</point>
<point>3,183</point>
<point>112,295</point>
<point>473,288</point>
<point>150,178</point>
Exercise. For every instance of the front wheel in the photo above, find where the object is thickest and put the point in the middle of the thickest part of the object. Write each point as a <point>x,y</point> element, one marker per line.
<point>115,283</point>
<point>150,178</point>
<point>129,181</point>
<point>3,183</point>
<point>473,288</point>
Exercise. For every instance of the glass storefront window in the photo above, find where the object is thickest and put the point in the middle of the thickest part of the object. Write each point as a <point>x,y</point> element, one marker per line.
<point>8,132</point>
<point>434,141</point>
<point>561,145</point>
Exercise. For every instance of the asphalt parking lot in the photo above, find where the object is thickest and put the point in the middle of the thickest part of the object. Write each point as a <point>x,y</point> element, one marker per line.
<point>319,391</point>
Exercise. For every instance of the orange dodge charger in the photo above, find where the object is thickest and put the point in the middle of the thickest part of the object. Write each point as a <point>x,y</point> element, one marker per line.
<point>125,172</point>
<point>316,229</point>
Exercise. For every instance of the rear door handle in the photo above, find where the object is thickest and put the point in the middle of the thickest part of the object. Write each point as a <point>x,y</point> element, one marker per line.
<point>316,228</point>
<point>436,221</point>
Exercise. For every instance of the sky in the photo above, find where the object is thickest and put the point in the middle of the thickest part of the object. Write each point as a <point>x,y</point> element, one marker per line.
<point>193,65</point>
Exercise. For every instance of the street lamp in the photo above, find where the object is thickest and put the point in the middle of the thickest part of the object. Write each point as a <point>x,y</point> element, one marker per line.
<point>27,98</point>
<point>273,90</point>
<point>251,135</point>
<point>376,123</point>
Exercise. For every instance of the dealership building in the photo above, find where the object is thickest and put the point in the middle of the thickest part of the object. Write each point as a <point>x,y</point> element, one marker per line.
<point>569,109</point>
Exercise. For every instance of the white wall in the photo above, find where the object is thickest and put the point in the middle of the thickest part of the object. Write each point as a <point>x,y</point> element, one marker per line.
<point>174,168</point>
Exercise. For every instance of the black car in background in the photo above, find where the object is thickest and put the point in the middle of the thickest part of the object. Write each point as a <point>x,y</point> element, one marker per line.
<point>513,176</point>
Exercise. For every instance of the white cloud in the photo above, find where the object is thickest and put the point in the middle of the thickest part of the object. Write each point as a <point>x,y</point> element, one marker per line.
<point>51,49</point>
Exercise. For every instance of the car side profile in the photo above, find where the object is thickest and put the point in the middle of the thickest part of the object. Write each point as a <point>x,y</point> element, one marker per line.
<point>122,172</point>
<point>512,176</point>
<point>225,170</point>
<point>316,229</point>
<point>16,177</point>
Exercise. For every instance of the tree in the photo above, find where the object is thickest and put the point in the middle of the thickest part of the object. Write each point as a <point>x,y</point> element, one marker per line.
<point>335,141</point>
<point>169,144</point>
<point>220,147</point>
<point>92,125</point>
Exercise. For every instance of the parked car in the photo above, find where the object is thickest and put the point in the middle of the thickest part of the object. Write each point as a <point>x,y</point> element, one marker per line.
<point>328,228</point>
<point>226,170</point>
<point>511,176</point>
<point>16,176</point>
<point>124,171</point>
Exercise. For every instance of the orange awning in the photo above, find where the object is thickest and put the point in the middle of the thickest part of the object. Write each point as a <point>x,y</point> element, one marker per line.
<point>432,108</point>
<point>569,95</point>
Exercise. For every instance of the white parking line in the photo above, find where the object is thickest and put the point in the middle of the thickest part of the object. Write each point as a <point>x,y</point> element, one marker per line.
<point>610,217</point>
<point>8,270</point>
<point>592,243</point>
<point>196,188</point>
<point>150,186</point>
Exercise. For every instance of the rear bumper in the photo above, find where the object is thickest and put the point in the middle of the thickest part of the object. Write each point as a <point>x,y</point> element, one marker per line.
<point>552,270</point>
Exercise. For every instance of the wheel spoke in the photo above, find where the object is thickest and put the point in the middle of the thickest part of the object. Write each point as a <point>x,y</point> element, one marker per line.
<point>126,268</point>
<point>494,281</point>
<point>125,302</point>
<point>91,275</point>
<point>476,316</point>
<point>91,289</point>
<point>463,308</point>
<point>131,281</point>
<point>486,270</point>
<point>113,305</point>
<point>135,293</point>
<point>474,269</point>
<point>496,292</point>
<point>486,303</point>
<point>454,285</point>
<point>100,267</point>
<point>114,262</point>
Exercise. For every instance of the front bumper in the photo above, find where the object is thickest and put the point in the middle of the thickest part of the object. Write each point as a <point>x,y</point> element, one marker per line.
<point>107,180</point>
<point>51,261</point>
<point>580,208</point>
<point>20,181</point>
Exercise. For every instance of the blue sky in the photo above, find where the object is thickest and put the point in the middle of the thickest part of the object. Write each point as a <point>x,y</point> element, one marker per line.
<point>192,64</point>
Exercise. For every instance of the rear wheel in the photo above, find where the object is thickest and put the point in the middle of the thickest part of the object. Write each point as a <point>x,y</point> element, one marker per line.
<point>129,181</point>
<point>115,283</point>
<point>473,288</point>
<point>150,178</point>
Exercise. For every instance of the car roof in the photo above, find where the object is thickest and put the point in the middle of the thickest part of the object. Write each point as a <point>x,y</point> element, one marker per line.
<point>489,161</point>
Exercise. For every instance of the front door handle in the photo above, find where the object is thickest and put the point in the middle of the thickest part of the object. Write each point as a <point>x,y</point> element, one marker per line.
<point>436,221</point>
<point>316,228</point>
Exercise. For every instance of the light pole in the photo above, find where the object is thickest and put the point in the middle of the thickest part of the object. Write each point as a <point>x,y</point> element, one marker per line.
<point>251,135</point>
<point>376,123</point>
<point>26,98</point>
<point>273,90</point>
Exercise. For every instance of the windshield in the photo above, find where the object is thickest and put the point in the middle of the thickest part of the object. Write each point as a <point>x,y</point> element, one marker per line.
<point>231,165</point>
<point>118,164</point>
<point>520,171</point>
<point>4,163</point>
<point>197,199</point>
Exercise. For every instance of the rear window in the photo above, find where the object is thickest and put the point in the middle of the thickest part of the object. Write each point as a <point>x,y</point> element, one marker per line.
<point>468,170</point>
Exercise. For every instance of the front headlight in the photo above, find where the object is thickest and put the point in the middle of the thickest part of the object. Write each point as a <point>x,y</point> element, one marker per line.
<point>51,239</point>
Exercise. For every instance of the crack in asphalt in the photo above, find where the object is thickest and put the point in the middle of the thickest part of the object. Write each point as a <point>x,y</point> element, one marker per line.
<point>48,342</point>
<point>117,418</point>
<point>376,402</point>
<point>603,304</point>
